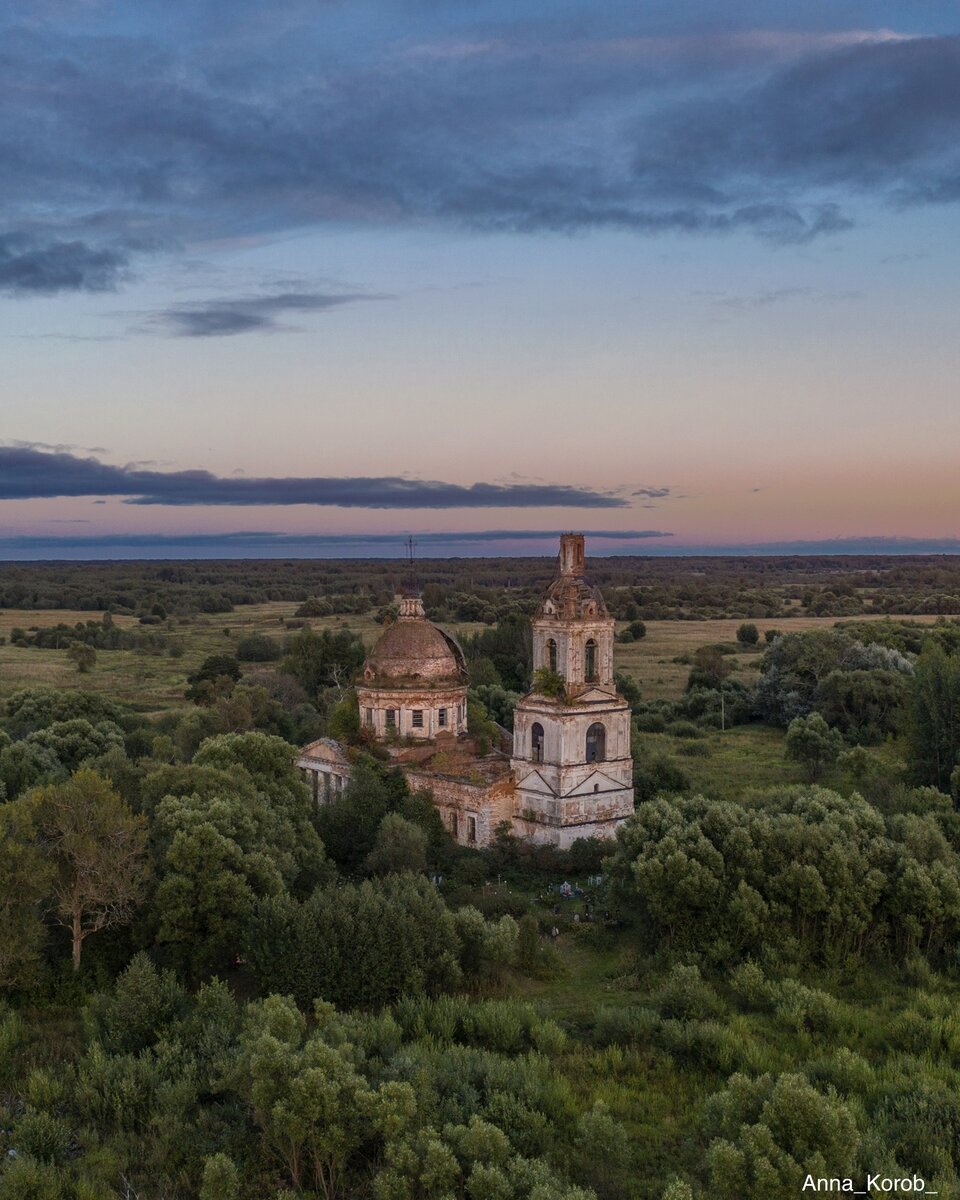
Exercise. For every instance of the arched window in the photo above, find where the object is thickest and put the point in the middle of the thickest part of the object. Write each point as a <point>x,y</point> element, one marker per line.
<point>590,661</point>
<point>596,743</point>
<point>536,742</point>
<point>551,654</point>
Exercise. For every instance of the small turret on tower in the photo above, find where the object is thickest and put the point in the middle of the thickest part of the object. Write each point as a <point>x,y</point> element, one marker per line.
<point>571,554</point>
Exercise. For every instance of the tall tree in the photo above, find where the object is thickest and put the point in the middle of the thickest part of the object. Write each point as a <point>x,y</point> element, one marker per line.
<point>96,845</point>
<point>25,877</point>
<point>934,720</point>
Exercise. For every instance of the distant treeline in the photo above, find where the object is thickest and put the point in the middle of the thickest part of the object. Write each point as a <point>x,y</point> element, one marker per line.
<point>489,589</point>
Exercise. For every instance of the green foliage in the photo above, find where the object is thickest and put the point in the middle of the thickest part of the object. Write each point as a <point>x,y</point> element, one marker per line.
<point>215,858</point>
<point>656,775</point>
<point>933,728</point>
<point>496,701</point>
<point>813,744</point>
<point>258,648</point>
<point>349,824</point>
<point>748,634</point>
<point>508,647</point>
<point>769,1133</point>
<point>96,845</point>
<point>549,683</point>
<point>221,1179</point>
<point>83,656</point>
<point>214,678</point>
<point>144,1004</point>
<point>322,659</point>
<point>25,878</point>
<point>797,667</point>
<point>399,846</point>
<point>361,945</point>
<point>710,668</point>
<point>808,875</point>
<point>482,727</point>
<point>344,720</point>
<point>864,705</point>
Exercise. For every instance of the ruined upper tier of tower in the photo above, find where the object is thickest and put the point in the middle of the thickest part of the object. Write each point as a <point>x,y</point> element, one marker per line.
<point>569,596</point>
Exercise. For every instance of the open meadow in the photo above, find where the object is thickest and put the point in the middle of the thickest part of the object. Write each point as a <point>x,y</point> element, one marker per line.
<point>154,682</point>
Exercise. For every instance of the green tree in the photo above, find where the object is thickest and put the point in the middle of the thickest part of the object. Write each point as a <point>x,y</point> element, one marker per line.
<point>221,1180</point>
<point>933,728</point>
<point>143,1005</point>
<point>771,1132</point>
<point>748,634</point>
<point>25,879</point>
<point>813,744</point>
<point>325,659</point>
<point>349,824</point>
<point>710,668</point>
<point>863,705</point>
<point>83,656</point>
<point>215,677</point>
<point>344,720</point>
<point>257,647</point>
<point>400,846</point>
<point>96,845</point>
<point>357,945</point>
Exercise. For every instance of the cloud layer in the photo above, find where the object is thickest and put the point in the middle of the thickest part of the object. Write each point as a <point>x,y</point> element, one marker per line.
<point>28,473</point>
<point>119,139</point>
<point>31,268</point>
<point>224,317</point>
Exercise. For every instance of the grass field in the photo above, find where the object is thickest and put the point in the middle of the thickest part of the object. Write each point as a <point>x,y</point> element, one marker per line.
<point>651,660</point>
<point>150,681</point>
<point>154,682</point>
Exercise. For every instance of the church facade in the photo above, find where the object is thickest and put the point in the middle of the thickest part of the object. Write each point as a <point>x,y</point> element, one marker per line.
<point>566,772</point>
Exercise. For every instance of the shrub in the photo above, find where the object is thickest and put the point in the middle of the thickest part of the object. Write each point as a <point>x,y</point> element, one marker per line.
<point>257,647</point>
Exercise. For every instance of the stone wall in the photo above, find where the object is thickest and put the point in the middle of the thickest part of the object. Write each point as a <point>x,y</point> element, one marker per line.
<point>478,808</point>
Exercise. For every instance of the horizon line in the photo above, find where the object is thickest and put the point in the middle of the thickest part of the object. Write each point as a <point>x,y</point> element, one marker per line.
<point>252,545</point>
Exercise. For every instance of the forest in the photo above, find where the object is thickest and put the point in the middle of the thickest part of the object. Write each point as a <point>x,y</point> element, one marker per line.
<point>212,989</point>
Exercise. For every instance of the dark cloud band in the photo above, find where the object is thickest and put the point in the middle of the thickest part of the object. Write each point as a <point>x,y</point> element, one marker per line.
<point>224,317</point>
<point>138,142</point>
<point>27,473</point>
<point>31,268</point>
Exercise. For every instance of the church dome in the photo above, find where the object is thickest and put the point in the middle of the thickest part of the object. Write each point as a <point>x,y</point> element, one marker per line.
<point>413,650</point>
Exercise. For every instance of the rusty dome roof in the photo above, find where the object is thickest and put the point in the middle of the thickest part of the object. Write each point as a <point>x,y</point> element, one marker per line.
<point>414,651</point>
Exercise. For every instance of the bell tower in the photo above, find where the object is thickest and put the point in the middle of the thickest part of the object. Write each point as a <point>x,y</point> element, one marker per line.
<point>571,743</point>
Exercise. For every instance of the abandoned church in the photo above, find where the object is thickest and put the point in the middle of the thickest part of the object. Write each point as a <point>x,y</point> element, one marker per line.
<point>565,774</point>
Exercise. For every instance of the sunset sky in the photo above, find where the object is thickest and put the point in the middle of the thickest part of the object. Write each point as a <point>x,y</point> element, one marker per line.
<point>305,277</point>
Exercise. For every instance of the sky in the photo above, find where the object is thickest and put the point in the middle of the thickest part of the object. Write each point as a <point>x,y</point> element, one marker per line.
<point>303,278</point>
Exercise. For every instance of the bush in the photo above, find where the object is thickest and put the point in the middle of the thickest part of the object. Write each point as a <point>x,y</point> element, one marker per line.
<point>257,647</point>
<point>695,750</point>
